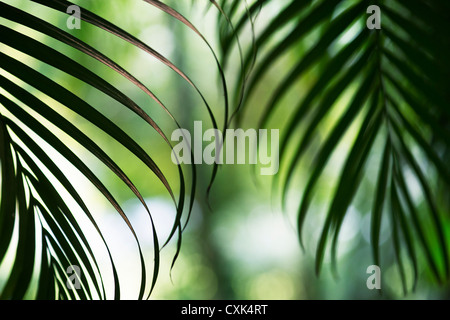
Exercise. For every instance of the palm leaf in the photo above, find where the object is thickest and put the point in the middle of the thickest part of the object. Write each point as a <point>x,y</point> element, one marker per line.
<point>396,78</point>
<point>39,205</point>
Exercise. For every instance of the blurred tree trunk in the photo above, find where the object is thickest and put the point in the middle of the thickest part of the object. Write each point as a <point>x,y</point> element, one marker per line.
<point>186,114</point>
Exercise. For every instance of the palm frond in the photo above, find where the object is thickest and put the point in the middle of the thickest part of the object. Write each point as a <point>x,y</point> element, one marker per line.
<point>45,220</point>
<point>381,87</point>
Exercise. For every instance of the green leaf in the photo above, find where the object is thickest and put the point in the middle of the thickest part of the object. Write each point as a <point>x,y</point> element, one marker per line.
<point>349,179</point>
<point>435,215</point>
<point>22,269</point>
<point>377,210</point>
<point>8,195</point>
<point>399,215</point>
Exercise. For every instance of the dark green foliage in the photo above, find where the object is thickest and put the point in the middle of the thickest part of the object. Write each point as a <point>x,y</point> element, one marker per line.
<point>398,79</point>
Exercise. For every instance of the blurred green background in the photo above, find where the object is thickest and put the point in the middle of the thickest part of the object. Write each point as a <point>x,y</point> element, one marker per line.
<point>243,246</point>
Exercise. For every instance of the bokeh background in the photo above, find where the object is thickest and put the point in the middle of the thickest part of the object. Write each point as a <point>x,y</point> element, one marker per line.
<point>239,243</point>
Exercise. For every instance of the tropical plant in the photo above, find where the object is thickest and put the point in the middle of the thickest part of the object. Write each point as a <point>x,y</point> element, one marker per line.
<point>376,103</point>
<point>38,201</point>
<point>386,88</point>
